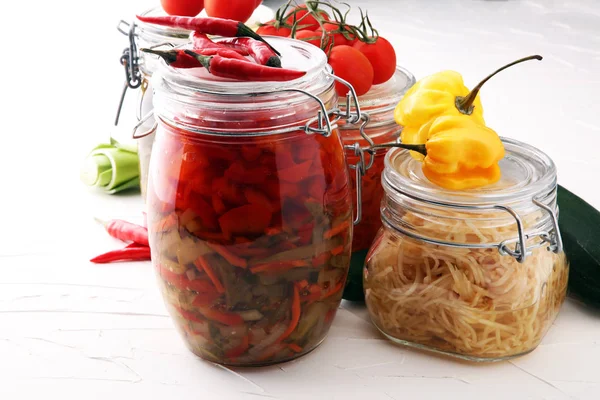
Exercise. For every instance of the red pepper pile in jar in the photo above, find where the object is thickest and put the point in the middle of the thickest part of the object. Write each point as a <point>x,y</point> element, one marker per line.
<point>250,228</point>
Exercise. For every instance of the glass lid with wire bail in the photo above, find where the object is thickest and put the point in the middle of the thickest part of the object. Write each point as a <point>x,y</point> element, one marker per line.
<point>478,273</point>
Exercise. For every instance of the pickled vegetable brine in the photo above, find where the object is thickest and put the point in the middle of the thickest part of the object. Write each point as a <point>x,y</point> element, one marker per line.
<point>250,217</point>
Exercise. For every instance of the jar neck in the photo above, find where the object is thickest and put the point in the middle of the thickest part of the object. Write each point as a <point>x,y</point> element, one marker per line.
<point>462,225</point>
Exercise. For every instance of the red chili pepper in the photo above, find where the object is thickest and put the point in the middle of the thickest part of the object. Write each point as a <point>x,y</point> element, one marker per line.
<point>176,58</point>
<point>261,53</point>
<point>126,231</point>
<point>209,26</point>
<point>333,290</point>
<point>202,42</point>
<point>226,53</point>
<point>124,254</point>
<point>244,70</point>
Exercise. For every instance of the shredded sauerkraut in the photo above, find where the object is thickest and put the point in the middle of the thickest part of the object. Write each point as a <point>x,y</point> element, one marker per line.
<point>470,302</point>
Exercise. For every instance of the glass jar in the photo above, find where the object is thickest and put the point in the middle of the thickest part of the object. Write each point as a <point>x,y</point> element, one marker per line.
<point>477,274</point>
<point>155,36</point>
<point>249,209</point>
<point>379,103</point>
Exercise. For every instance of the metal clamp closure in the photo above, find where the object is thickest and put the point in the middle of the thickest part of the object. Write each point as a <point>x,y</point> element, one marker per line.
<point>520,251</point>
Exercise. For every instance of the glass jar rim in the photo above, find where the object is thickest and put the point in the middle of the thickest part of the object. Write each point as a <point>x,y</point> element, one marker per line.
<point>163,32</point>
<point>527,174</point>
<point>314,58</point>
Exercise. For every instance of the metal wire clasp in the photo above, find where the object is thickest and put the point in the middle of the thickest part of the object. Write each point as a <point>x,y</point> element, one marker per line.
<point>354,118</point>
<point>130,62</point>
<point>520,251</point>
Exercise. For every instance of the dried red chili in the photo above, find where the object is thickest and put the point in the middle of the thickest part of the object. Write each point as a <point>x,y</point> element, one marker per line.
<point>209,26</point>
<point>244,70</point>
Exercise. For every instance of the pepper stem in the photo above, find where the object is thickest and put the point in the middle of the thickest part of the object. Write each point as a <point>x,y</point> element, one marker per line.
<point>169,56</point>
<point>204,60</point>
<point>465,104</point>
<point>419,148</point>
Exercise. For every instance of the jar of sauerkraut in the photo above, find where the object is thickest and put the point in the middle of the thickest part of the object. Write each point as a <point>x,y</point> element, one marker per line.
<point>250,208</point>
<point>379,104</point>
<point>477,274</point>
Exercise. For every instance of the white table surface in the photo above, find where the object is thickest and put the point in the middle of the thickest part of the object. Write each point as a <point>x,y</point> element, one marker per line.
<point>70,329</point>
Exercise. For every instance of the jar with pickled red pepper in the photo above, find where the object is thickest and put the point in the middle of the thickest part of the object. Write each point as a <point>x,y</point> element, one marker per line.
<point>479,273</point>
<point>250,209</point>
<point>378,104</point>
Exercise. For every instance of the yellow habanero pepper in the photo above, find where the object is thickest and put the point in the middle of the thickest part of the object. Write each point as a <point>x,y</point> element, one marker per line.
<point>440,94</point>
<point>459,153</point>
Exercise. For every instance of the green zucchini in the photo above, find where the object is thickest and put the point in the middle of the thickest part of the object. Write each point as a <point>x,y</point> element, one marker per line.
<point>579,225</point>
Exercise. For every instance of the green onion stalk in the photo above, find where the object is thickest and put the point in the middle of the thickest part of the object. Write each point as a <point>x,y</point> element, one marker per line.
<point>112,168</point>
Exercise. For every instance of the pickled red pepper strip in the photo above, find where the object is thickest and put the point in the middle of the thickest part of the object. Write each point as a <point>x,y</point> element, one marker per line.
<point>209,26</point>
<point>182,282</point>
<point>230,257</point>
<point>295,316</point>
<point>124,254</point>
<point>126,231</point>
<point>245,70</point>
<point>201,42</point>
<point>203,265</point>
<point>260,52</point>
<point>336,230</point>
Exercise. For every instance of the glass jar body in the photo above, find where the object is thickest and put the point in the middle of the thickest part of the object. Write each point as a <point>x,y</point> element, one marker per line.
<point>250,240</point>
<point>379,103</point>
<point>436,278</point>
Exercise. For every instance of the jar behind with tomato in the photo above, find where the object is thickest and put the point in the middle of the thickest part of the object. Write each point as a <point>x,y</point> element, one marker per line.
<point>381,128</point>
<point>249,209</point>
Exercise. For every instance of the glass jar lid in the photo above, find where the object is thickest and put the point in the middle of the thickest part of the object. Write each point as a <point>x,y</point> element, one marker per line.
<point>527,174</point>
<point>188,96</point>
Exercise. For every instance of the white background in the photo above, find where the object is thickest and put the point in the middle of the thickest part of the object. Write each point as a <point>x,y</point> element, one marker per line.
<point>70,329</point>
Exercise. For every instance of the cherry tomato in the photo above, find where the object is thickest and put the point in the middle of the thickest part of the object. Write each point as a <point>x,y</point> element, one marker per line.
<point>382,56</point>
<point>338,38</point>
<point>184,8</point>
<point>305,34</point>
<point>257,3</point>
<point>353,66</point>
<point>310,21</point>
<point>270,30</point>
<point>238,10</point>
